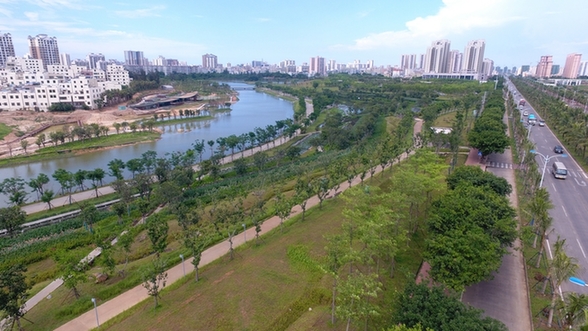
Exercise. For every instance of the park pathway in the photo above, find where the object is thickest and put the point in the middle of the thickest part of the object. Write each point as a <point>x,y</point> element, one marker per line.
<point>137,294</point>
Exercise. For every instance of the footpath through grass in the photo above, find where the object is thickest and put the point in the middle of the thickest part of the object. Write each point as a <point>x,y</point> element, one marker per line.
<point>269,286</point>
<point>61,150</point>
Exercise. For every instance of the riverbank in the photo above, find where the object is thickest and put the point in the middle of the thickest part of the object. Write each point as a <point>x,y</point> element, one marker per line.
<point>82,146</point>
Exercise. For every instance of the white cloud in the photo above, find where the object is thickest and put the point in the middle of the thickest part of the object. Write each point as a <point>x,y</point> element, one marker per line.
<point>73,4</point>
<point>154,11</point>
<point>455,17</point>
<point>32,16</point>
<point>263,19</point>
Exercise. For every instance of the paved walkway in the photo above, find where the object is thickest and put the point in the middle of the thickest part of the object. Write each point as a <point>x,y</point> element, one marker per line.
<point>130,298</point>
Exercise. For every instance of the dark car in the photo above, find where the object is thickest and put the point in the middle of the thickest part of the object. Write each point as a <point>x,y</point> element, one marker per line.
<point>558,149</point>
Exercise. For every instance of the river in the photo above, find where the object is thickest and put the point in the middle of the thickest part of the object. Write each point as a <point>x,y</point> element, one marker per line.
<point>254,109</point>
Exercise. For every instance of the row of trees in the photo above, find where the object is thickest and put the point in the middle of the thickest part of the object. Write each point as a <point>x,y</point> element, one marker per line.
<point>489,132</point>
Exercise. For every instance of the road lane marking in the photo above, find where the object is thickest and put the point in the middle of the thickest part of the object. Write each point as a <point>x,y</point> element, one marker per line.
<point>562,207</point>
<point>582,249</point>
<point>581,183</point>
<point>549,249</point>
<point>554,187</point>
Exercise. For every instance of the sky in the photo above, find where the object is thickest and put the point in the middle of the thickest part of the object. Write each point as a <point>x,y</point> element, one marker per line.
<point>516,32</point>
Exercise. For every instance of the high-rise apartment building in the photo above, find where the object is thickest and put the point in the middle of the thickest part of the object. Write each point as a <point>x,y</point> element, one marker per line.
<point>6,48</point>
<point>473,56</point>
<point>93,60</point>
<point>583,71</point>
<point>487,69</point>
<point>544,66</point>
<point>421,61</point>
<point>317,65</point>
<point>437,57</point>
<point>555,70</point>
<point>572,66</point>
<point>455,60</point>
<point>209,61</point>
<point>64,59</point>
<point>134,58</point>
<point>44,48</point>
<point>408,62</point>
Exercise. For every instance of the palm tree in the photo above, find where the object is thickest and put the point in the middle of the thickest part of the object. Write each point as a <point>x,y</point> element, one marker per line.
<point>561,268</point>
<point>540,206</point>
<point>575,307</point>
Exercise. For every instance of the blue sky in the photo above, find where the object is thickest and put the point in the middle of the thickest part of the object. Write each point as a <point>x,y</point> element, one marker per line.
<point>238,31</point>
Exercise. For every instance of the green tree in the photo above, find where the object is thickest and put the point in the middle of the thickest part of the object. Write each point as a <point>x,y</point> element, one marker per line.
<point>433,309</point>
<point>24,144</point>
<point>336,257</point>
<point>196,242</point>
<point>478,177</point>
<point>13,293</point>
<point>125,240</point>
<point>116,167</point>
<point>357,296</point>
<point>157,229</point>
<point>14,188</point>
<point>561,268</point>
<point>303,193</point>
<point>72,266</point>
<point>155,278</point>
<point>282,208</point>
<point>47,197</point>
<point>11,219</point>
<point>89,215</point>
<point>539,207</point>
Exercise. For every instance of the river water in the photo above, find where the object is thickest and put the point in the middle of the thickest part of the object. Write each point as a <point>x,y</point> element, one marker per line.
<point>254,109</point>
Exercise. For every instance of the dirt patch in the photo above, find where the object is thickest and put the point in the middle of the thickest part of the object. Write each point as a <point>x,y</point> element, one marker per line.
<point>225,276</point>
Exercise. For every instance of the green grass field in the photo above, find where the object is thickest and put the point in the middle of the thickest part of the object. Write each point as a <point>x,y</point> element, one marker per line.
<point>4,130</point>
<point>264,288</point>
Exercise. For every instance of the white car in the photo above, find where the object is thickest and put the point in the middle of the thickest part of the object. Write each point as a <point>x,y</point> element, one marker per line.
<point>525,113</point>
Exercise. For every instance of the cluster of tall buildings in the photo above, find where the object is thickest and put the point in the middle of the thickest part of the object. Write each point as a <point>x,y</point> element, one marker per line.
<point>441,61</point>
<point>46,77</point>
<point>545,68</point>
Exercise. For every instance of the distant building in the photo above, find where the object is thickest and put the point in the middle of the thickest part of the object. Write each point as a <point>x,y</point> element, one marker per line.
<point>93,60</point>
<point>572,66</point>
<point>64,59</point>
<point>437,57</point>
<point>544,67</point>
<point>209,61</point>
<point>583,70</point>
<point>317,66</point>
<point>134,58</point>
<point>408,61</point>
<point>455,61</point>
<point>6,48</point>
<point>555,70</point>
<point>487,69</point>
<point>44,48</point>
<point>473,56</point>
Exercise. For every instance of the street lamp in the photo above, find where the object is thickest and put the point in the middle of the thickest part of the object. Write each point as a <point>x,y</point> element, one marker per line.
<point>183,267</point>
<point>96,310</point>
<point>546,159</point>
<point>244,231</point>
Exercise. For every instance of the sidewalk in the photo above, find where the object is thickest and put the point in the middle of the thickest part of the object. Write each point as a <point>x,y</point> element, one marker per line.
<point>130,298</point>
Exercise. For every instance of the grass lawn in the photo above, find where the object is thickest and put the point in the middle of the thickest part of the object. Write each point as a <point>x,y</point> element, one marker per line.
<point>265,287</point>
<point>445,120</point>
<point>59,151</point>
<point>4,130</point>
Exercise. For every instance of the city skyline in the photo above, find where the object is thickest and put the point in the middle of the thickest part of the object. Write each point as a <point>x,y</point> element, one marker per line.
<point>516,32</point>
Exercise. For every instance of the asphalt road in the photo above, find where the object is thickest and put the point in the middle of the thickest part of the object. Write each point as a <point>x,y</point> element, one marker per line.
<point>569,198</point>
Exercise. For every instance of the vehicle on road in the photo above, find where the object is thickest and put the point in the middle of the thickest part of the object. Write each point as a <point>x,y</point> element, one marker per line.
<point>541,123</point>
<point>558,149</point>
<point>525,113</point>
<point>559,170</point>
<point>522,102</point>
